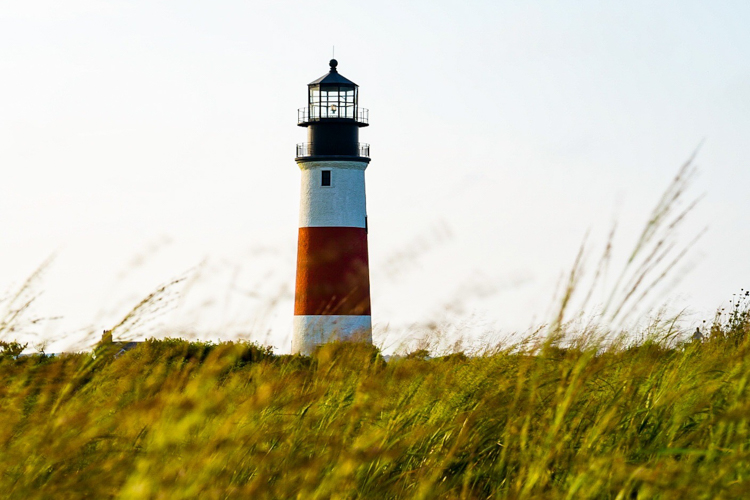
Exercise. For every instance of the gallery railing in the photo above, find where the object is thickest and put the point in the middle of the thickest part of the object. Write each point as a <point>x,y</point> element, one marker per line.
<point>317,113</point>
<point>307,149</point>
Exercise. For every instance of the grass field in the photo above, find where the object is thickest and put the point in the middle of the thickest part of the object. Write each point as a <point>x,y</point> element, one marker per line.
<point>173,419</point>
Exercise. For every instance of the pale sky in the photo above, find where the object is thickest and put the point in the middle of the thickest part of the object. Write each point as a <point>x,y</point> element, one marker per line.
<point>143,141</point>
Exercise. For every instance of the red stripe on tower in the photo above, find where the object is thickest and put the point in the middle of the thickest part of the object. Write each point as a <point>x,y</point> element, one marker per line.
<point>332,272</point>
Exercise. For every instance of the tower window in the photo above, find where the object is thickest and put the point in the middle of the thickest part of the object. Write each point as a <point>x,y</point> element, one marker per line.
<point>325,178</point>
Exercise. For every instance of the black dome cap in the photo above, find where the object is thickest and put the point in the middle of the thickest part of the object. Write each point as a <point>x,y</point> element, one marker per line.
<point>333,77</point>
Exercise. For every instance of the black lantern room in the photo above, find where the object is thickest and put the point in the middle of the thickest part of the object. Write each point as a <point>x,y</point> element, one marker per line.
<point>332,118</point>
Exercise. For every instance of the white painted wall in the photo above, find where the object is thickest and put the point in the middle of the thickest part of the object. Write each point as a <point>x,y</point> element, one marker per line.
<point>342,204</point>
<point>311,331</point>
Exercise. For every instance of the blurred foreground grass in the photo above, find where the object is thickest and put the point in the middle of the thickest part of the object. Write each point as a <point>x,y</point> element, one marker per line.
<point>172,419</point>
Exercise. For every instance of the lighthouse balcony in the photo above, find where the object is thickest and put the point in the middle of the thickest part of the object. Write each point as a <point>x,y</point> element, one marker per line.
<point>306,149</point>
<point>317,113</point>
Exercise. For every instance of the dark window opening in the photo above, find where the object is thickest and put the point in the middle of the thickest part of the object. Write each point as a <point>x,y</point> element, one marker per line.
<point>325,179</point>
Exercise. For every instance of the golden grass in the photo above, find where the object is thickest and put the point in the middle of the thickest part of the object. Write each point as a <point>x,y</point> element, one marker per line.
<point>173,419</point>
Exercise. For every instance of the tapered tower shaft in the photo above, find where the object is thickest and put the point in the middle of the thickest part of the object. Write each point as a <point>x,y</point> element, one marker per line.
<point>332,294</point>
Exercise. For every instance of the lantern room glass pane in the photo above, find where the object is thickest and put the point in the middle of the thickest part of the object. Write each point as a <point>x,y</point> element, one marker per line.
<point>330,105</point>
<point>314,103</point>
<point>347,103</point>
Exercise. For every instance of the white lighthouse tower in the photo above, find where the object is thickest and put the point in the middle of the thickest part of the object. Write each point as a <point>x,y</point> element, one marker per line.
<point>332,296</point>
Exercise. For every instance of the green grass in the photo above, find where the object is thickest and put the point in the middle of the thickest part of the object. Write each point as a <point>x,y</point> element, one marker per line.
<point>173,419</point>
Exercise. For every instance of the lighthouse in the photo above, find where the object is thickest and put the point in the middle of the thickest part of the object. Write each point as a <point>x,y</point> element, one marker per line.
<point>332,293</point>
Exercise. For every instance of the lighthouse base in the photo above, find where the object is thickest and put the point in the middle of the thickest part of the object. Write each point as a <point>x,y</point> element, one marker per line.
<point>312,331</point>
